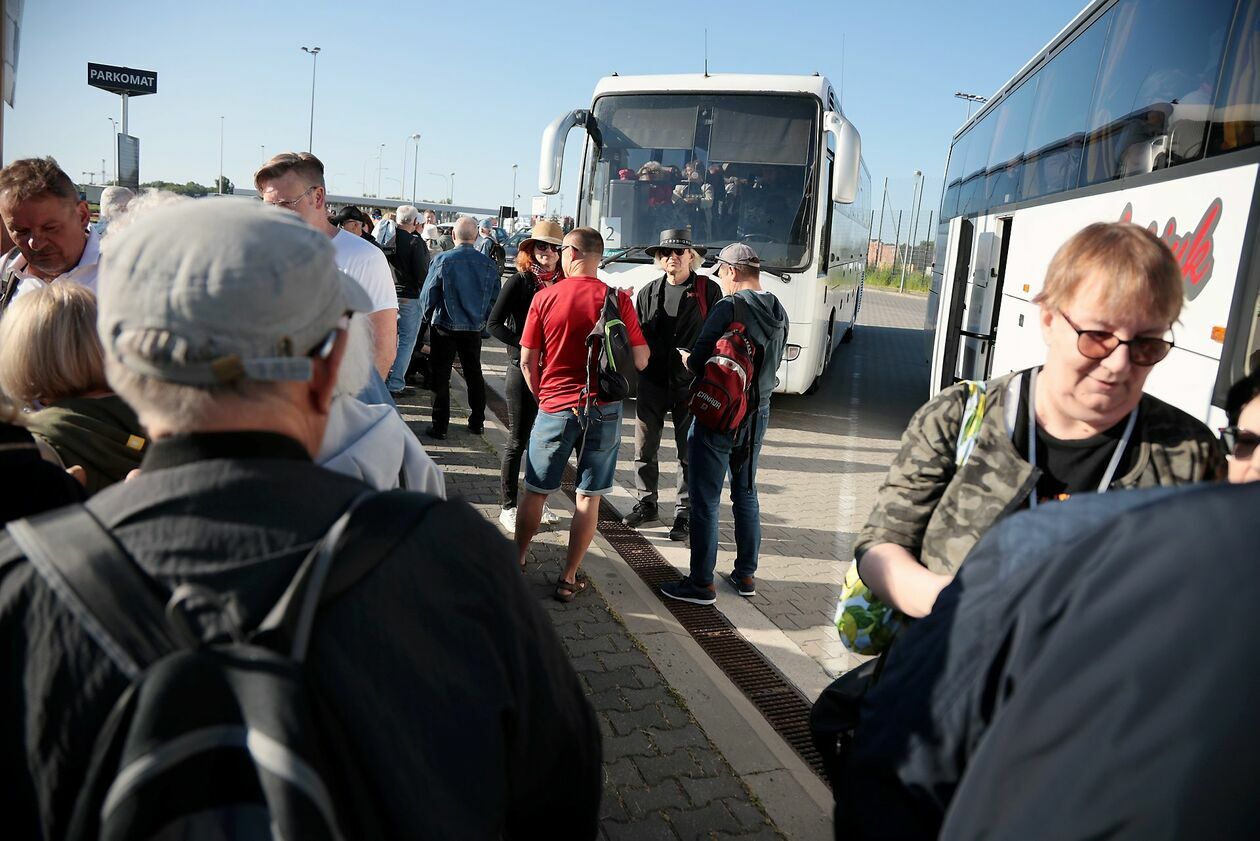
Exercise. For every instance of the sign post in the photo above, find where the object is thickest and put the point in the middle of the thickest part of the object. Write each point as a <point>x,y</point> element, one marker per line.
<point>126,82</point>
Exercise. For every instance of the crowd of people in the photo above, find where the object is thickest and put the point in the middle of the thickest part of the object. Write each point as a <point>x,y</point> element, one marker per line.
<point>216,379</point>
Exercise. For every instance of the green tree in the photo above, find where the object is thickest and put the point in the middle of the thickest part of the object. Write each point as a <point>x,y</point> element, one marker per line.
<point>228,187</point>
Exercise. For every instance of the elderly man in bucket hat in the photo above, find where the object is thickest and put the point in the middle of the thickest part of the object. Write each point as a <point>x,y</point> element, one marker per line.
<point>224,325</point>
<point>671,310</point>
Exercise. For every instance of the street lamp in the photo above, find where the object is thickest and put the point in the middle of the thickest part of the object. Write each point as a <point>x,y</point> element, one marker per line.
<point>114,138</point>
<point>314,54</point>
<point>914,222</point>
<point>415,168</point>
<point>380,162</point>
<point>262,155</point>
<point>450,197</point>
<point>220,154</point>
<point>514,191</point>
<point>970,97</point>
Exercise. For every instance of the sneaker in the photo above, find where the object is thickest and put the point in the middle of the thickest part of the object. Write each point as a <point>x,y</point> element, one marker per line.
<point>639,515</point>
<point>686,591</point>
<point>507,517</point>
<point>681,528</point>
<point>746,587</point>
<point>549,517</point>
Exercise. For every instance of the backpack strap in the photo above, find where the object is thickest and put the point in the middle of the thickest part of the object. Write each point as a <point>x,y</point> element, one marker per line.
<point>702,294</point>
<point>113,599</point>
<point>369,530</point>
<point>973,414</point>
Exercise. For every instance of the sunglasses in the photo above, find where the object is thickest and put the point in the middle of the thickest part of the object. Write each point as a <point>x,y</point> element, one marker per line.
<point>671,252</point>
<point>545,246</point>
<point>1099,344</point>
<point>1239,443</point>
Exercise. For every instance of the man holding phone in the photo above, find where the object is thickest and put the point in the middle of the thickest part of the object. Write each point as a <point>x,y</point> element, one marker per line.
<point>671,310</point>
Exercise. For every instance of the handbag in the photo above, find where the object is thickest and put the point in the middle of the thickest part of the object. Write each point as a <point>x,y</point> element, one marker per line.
<point>866,624</point>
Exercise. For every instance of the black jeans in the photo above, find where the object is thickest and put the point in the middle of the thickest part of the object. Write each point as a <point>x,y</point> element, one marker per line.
<point>650,407</point>
<point>445,345</point>
<point>522,410</point>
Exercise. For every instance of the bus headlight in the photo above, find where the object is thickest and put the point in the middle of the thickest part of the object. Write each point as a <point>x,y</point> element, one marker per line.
<point>791,353</point>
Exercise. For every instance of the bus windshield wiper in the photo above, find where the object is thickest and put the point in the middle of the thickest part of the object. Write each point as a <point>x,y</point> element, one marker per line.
<point>620,255</point>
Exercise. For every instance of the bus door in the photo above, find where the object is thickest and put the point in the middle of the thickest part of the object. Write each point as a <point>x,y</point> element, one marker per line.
<point>984,299</point>
<point>954,299</point>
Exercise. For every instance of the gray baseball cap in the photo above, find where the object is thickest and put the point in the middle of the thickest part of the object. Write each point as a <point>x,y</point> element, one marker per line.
<point>739,254</point>
<point>221,289</point>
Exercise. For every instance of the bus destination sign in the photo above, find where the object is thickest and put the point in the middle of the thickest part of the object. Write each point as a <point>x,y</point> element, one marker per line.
<point>122,80</point>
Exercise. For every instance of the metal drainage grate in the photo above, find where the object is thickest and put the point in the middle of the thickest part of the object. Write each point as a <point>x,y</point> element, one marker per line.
<point>785,708</point>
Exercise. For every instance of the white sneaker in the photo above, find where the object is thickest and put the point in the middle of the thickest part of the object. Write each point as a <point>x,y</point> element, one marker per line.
<point>507,517</point>
<point>549,517</point>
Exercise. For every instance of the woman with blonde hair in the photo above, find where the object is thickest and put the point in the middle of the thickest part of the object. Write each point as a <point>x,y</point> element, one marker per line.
<point>51,362</point>
<point>538,266</point>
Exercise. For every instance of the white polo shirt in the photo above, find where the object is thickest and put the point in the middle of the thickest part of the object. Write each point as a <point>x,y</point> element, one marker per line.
<point>84,273</point>
<point>366,263</point>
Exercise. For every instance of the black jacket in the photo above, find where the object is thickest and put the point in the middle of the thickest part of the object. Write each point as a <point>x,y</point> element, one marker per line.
<point>410,261</point>
<point>665,333</point>
<point>30,484</point>
<point>440,664</point>
<point>507,318</point>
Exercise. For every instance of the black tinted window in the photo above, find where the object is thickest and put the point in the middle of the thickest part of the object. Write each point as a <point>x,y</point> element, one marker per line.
<point>971,199</point>
<point>1156,86</point>
<point>1006,155</point>
<point>954,175</point>
<point>1056,129</point>
<point>1236,121</point>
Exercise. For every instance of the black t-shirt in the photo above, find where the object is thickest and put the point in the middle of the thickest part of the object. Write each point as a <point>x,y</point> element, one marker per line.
<point>1071,467</point>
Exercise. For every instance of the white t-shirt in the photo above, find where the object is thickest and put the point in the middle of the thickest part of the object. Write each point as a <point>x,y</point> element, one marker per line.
<point>366,263</point>
<point>84,273</point>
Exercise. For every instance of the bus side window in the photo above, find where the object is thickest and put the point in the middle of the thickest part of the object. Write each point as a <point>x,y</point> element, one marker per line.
<point>1236,120</point>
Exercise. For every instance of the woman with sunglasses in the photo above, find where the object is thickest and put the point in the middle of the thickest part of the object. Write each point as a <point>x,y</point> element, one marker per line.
<point>1080,423</point>
<point>538,266</point>
<point>1241,437</point>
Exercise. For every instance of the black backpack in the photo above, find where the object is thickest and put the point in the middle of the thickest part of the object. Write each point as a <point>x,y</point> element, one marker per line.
<point>224,738</point>
<point>610,370</point>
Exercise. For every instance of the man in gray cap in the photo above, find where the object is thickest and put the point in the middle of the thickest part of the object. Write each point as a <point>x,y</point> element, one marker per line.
<point>713,454</point>
<point>224,325</point>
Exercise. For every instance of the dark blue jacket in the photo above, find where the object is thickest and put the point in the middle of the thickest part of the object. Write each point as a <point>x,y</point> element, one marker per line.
<point>460,290</point>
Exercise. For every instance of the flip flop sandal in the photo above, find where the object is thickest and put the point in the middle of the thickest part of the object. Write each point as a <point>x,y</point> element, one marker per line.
<point>567,591</point>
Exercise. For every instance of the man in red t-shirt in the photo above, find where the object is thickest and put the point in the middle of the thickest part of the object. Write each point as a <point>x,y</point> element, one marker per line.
<point>553,359</point>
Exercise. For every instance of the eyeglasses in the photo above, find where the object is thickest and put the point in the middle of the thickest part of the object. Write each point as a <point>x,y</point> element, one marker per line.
<point>1239,443</point>
<point>288,204</point>
<point>546,246</point>
<point>671,252</point>
<point>1099,344</point>
<point>574,247</point>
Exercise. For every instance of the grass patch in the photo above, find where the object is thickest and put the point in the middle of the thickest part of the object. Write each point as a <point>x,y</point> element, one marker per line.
<point>885,277</point>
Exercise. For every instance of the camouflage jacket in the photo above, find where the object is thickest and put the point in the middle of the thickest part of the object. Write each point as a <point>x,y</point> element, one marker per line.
<point>938,512</point>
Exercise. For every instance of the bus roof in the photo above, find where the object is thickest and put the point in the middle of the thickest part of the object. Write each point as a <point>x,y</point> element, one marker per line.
<point>1064,35</point>
<point>715,82</point>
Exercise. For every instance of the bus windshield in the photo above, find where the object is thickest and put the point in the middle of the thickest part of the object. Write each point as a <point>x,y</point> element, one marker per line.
<point>732,167</point>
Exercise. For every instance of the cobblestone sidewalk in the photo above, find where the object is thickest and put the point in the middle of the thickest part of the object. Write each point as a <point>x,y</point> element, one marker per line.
<point>663,778</point>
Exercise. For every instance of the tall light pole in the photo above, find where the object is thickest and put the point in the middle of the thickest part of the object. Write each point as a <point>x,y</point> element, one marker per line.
<point>113,136</point>
<point>970,97</point>
<point>262,154</point>
<point>450,197</point>
<point>220,154</point>
<point>514,191</point>
<point>380,164</point>
<point>415,167</point>
<point>314,54</point>
<point>914,215</point>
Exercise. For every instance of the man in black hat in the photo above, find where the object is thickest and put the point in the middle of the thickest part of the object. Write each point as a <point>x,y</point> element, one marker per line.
<point>671,310</point>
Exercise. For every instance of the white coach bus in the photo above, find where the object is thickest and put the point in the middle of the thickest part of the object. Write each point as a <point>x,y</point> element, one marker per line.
<point>776,165</point>
<point>1140,110</point>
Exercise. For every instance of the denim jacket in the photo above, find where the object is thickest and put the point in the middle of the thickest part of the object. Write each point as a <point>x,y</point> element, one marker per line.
<point>460,290</point>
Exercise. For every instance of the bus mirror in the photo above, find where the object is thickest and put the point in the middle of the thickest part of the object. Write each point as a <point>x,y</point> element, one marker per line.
<point>551,159</point>
<point>847,169</point>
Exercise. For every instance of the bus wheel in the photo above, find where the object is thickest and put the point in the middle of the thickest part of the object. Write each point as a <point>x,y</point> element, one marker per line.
<point>848,335</point>
<point>817,383</point>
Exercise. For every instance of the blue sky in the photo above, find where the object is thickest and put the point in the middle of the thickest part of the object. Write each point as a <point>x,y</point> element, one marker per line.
<point>480,83</point>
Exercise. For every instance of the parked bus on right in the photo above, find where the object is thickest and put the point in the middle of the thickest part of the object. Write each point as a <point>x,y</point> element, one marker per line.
<point>1139,110</point>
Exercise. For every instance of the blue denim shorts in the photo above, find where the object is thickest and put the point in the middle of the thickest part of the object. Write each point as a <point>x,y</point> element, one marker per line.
<point>557,434</point>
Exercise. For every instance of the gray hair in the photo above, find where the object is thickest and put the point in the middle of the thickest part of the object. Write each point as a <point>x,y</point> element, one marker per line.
<point>142,205</point>
<point>114,201</point>
<point>465,229</point>
<point>407,214</point>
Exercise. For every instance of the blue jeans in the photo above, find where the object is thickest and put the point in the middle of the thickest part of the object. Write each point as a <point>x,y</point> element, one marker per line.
<point>408,329</point>
<point>709,457</point>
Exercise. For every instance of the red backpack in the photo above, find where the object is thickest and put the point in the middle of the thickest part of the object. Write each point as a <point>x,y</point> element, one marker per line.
<point>720,395</point>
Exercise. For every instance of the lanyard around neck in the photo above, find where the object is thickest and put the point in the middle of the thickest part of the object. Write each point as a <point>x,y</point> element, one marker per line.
<point>1112,466</point>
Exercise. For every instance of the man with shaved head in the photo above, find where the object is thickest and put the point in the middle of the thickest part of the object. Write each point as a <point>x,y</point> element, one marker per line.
<point>457,298</point>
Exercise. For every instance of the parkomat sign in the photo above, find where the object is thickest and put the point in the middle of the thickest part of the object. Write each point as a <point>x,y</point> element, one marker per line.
<point>122,79</point>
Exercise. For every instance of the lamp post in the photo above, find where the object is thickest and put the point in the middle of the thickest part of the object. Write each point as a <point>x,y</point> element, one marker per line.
<point>914,213</point>
<point>380,165</point>
<point>514,191</point>
<point>970,97</point>
<point>262,154</point>
<point>314,54</point>
<point>415,167</point>
<point>450,196</point>
<point>113,136</point>
<point>220,154</point>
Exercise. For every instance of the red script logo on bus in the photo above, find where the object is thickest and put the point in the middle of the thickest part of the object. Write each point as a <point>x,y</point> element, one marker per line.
<point>1193,250</point>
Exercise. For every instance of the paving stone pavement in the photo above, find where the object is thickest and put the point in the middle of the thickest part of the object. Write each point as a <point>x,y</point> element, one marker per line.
<point>823,460</point>
<point>663,778</point>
